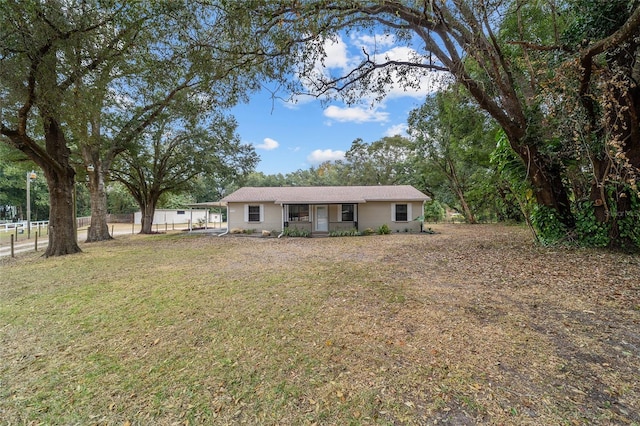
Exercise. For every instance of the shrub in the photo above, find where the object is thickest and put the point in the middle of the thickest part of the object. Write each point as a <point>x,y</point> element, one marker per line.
<point>369,231</point>
<point>384,229</point>
<point>345,233</point>
<point>295,232</point>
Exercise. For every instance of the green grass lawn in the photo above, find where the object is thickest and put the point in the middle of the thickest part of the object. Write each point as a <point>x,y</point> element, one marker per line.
<point>397,329</point>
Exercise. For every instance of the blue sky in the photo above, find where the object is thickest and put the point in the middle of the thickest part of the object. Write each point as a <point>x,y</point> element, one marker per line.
<point>289,137</point>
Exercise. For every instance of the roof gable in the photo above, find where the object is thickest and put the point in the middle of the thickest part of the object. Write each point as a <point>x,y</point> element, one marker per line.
<point>325,194</point>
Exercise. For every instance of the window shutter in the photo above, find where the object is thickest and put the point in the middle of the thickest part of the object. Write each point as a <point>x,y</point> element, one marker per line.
<point>393,212</point>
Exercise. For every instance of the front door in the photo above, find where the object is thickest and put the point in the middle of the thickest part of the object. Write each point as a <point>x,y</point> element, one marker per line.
<point>322,218</point>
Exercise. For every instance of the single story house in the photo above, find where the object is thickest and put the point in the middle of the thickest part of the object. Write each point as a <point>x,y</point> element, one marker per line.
<point>323,209</point>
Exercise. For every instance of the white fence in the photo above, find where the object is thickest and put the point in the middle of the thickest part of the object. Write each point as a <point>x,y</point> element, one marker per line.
<point>21,227</point>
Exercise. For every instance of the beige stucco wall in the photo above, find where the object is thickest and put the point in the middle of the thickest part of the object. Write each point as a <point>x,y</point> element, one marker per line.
<point>369,215</point>
<point>271,215</point>
<point>375,214</point>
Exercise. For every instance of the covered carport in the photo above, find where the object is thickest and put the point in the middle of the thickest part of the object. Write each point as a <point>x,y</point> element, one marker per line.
<point>220,205</point>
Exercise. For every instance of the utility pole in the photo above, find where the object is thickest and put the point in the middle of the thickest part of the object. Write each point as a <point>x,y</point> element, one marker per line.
<point>30,176</point>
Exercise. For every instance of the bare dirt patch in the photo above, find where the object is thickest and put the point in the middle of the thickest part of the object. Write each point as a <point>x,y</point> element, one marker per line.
<point>472,325</point>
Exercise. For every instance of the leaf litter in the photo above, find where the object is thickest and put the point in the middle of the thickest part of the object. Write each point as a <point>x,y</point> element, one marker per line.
<point>471,325</point>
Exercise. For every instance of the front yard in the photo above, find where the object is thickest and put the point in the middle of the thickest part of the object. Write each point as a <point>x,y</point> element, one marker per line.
<point>471,325</point>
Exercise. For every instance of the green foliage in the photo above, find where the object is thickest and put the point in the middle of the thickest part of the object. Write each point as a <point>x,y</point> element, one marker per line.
<point>595,19</point>
<point>119,200</point>
<point>295,232</point>
<point>628,222</point>
<point>369,231</point>
<point>549,229</point>
<point>384,229</point>
<point>345,233</point>
<point>589,232</point>
<point>434,211</point>
<point>452,143</point>
<point>516,191</point>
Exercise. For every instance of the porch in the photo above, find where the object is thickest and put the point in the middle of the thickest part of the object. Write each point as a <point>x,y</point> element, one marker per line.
<point>320,219</point>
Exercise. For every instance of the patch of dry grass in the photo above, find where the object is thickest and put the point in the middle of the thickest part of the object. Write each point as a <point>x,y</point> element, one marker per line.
<point>471,325</point>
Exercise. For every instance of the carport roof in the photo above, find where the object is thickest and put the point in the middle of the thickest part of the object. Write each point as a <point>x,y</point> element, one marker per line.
<point>325,194</point>
<point>208,204</point>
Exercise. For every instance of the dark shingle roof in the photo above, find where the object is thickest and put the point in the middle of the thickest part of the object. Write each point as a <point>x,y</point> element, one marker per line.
<point>325,194</point>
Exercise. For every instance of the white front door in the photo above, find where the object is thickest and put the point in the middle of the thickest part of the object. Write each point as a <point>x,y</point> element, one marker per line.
<point>322,218</point>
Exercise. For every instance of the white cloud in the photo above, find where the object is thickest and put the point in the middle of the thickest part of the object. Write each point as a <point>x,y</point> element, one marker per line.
<point>371,42</point>
<point>268,144</point>
<point>336,51</point>
<point>355,114</point>
<point>398,129</point>
<point>321,155</point>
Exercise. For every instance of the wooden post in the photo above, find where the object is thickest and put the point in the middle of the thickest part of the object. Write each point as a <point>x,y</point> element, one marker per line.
<point>165,227</point>
<point>112,230</point>
<point>12,254</point>
<point>133,227</point>
<point>16,232</point>
<point>36,242</point>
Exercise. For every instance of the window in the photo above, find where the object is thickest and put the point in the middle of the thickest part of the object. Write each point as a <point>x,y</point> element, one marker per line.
<point>402,213</point>
<point>253,214</point>
<point>347,212</point>
<point>180,212</point>
<point>298,213</point>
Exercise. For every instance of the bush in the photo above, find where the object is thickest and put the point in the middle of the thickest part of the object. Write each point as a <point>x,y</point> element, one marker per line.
<point>295,232</point>
<point>345,233</point>
<point>384,229</point>
<point>369,231</point>
<point>590,232</point>
<point>549,229</point>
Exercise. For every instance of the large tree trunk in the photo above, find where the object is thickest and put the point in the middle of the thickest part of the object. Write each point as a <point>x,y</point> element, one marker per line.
<point>546,178</point>
<point>147,211</point>
<point>63,237</point>
<point>99,229</point>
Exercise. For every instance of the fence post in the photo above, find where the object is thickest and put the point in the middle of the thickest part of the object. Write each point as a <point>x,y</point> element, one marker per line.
<point>36,242</point>
<point>12,253</point>
<point>16,232</point>
<point>133,227</point>
<point>112,234</point>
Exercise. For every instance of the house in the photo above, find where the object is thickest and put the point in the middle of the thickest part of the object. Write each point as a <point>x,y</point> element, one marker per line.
<point>324,209</point>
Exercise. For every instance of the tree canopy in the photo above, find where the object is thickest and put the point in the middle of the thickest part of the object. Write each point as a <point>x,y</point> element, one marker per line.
<point>79,82</point>
<point>172,152</point>
<point>523,62</point>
